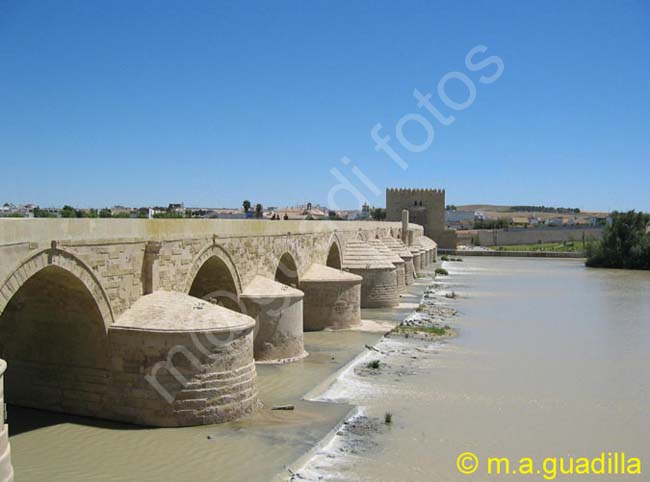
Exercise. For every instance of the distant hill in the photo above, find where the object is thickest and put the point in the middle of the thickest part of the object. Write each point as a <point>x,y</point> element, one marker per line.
<point>496,211</point>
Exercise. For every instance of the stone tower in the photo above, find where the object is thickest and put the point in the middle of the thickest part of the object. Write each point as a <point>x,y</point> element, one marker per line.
<point>426,207</point>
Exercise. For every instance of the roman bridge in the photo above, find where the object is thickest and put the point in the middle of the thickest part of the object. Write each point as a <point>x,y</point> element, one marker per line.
<point>161,322</point>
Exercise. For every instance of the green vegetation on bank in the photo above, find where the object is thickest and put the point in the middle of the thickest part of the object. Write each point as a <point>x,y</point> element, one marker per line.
<point>566,246</point>
<point>500,223</point>
<point>447,258</point>
<point>431,330</point>
<point>441,271</point>
<point>625,243</point>
<point>375,364</point>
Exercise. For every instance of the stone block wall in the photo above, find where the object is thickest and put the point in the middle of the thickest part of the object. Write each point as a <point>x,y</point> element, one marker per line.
<point>6,469</point>
<point>118,266</point>
<point>279,329</point>
<point>331,305</point>
<point>535,235</point>
<point>206,382</point>
<point>378,288</point>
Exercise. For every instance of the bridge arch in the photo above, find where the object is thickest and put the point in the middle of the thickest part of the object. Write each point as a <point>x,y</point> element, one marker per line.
<point>334,253</point>
<point>287,271</point>
<point>67,262</point>
<point>214,277</point>
<point>53,334</point>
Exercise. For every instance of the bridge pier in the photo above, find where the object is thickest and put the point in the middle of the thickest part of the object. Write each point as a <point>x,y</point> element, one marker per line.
<point>332,298</point>
<point>180,361</point>
<point>417,252</point>
<point>402,251</point>
<point>398,262</point>
<point>6,469</point>
<point>432,246</point>
<point>277,309</point>
<point>379,285</point>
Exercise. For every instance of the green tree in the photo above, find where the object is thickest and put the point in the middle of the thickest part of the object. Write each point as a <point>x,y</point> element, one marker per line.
<point>258,211</point>
<point>625,243</point>
<point>105,213</point>
<point>491,223</point>
<point>378,214</point>
<point>168,215</point>
<point>333,215</point>
<point>68,212</point>
<point>43,213</point>
<point>246,205</point>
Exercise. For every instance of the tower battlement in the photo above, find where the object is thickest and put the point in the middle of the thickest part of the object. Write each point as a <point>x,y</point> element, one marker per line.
<point>414,190</point>
<point>425,206</point>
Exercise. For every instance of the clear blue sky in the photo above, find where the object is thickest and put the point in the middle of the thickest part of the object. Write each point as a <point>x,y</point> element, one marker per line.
<point>209,103</point>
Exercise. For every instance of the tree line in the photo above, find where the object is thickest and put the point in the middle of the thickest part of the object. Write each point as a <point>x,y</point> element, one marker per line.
<point>544,209</point>
<point>625,243</point>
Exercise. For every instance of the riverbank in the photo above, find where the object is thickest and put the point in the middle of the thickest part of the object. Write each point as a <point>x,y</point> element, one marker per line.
<point>512,254</point>
<point>416,337</point>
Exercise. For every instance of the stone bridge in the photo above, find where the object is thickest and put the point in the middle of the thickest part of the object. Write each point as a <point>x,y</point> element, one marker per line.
<point>161,322</point>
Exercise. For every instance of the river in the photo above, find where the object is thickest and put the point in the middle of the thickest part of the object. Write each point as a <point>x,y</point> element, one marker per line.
<point>551,359</point>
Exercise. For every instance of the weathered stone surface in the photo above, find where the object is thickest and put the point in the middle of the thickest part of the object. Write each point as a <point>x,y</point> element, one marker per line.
<point>379,287</point>
<point>332,298</point>
<point>177,361</point>
<point>417,253</point>
<point>6,469</point>
<point>426,207</point>
<point>278,313</point>
<point>431,246</point>
<point>394,258</point>
<point>398,247</point>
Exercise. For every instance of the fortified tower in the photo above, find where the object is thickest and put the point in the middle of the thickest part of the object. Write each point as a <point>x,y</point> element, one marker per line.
<point>426,207</point>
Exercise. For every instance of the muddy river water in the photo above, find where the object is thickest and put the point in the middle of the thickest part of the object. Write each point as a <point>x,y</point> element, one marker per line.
<point>551,359</point>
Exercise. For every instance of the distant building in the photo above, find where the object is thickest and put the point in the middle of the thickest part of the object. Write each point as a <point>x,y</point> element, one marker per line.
<point>176,208</point>
<point>520,221</point>
<point>230,213</point>
<point>122,211</point>
<point>365,211</point>
<point>460,219</point>
<point>10,209</point>
<point>303,212</point>
<point>426,207</point>
<point>600,221</point>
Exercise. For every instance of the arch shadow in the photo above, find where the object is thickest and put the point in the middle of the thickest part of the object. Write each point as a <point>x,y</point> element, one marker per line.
<point>287,271</point>
<point>214,277</point>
